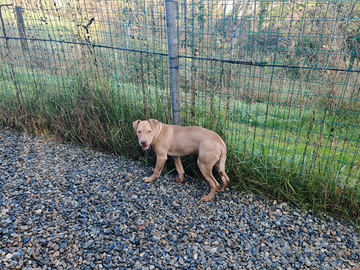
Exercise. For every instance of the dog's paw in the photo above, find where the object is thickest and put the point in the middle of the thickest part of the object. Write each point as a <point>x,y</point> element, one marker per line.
<point>206,198</point>
<point>148,179</point>
<point>179,179</point>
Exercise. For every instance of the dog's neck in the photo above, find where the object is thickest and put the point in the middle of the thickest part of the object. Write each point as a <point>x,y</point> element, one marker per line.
<point>158,132</point>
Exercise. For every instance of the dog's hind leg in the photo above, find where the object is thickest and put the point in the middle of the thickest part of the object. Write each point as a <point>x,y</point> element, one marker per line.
<point>220,166</point>
<point>205,167</point>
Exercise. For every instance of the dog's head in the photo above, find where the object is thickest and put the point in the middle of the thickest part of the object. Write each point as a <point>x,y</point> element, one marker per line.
<point>145,131</point>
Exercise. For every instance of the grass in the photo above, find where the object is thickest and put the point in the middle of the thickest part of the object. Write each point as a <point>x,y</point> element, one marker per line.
<point>308,156</point>
<point>291,134</point>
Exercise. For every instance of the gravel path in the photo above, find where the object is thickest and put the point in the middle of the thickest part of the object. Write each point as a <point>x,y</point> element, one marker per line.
<point>64,207</point>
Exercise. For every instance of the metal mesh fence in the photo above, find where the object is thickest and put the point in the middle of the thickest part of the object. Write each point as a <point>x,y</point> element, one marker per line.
<point>279,80</point>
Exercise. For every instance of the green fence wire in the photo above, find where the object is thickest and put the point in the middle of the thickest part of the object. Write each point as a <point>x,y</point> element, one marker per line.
<point>278,80</point>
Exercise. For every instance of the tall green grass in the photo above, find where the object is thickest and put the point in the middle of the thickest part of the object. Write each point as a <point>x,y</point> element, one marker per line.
<point>283,152</point>
<point>291,134</point>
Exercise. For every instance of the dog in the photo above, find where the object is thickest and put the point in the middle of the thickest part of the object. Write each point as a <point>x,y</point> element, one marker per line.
<point>178,141</point>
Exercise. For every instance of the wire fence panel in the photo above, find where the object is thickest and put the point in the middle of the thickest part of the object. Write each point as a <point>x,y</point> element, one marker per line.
<point>66,38</point>
<point>278,80</point>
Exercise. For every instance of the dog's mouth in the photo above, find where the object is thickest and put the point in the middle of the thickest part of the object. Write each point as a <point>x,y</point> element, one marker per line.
<point>145,147</point>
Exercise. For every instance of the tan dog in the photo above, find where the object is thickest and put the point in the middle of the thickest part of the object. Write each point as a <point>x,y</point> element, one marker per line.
<point>178,141</point>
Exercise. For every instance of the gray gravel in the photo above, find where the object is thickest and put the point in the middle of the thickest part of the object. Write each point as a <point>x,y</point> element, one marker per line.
<point>64,207</point>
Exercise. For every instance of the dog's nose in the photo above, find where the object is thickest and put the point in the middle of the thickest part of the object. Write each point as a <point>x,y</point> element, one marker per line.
<point>143,142</point>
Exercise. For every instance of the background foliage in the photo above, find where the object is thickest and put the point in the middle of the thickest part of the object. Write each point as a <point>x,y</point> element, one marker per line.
<point>278,80</point>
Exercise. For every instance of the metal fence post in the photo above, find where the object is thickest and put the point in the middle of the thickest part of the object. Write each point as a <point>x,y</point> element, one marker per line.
<point>21,27</point>
<point>18,94</point>
<point>170,6</point>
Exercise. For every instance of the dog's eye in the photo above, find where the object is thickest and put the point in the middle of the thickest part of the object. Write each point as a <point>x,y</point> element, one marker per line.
<point>149,131</point>
<point>139,132</point>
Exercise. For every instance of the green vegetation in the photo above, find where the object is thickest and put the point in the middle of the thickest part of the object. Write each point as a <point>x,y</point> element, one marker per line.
<point>273,150</point>
<point>292,133</point>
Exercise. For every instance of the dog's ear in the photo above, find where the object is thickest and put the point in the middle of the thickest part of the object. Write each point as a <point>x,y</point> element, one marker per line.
<point>135,124</point>
<point>153,123</point>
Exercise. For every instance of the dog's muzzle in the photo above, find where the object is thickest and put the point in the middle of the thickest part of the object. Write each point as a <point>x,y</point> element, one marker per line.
<point>144,144</point>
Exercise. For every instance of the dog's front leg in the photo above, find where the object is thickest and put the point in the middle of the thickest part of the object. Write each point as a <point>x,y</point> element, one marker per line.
<point>160,161</point>
<point>179,169</point>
